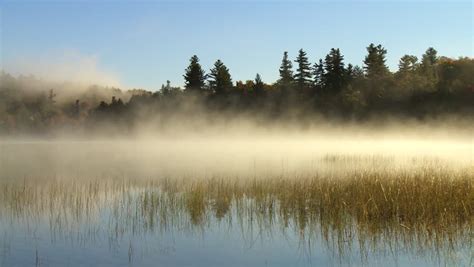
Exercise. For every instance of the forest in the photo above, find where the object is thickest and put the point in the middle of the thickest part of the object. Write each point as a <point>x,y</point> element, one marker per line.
<point>428,87</point>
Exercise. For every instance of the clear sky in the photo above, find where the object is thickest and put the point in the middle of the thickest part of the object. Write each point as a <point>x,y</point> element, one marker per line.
<point>143,44</point>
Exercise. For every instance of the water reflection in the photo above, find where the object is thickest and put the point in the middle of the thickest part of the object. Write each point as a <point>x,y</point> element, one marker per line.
<point>365,217</point>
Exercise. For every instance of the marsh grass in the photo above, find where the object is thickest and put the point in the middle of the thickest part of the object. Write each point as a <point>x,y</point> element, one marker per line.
<point>365,204</point>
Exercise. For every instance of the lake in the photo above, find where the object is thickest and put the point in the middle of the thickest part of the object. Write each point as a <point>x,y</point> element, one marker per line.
<point>240,202</point>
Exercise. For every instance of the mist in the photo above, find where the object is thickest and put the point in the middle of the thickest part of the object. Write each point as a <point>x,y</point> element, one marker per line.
<point>237,150</point>
<point>283,134</point>
<point>190,139</point>
<point>68,66</point>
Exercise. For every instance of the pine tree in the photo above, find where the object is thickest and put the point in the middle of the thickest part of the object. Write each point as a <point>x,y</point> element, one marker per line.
<point>286,72</point>
<point>428,63</point>
<point>166,90</point>
<point>428,68</point>
<point>375,62</point>
<point>335,74</point>
<point>303,74</point>
<point>194,76</point>
<point>258,85</point>
<point>220,80</point>
<point>318,73</point>
<point>407,64</point>
<point>357,73</point>
<point>430,57</point>
<point>377,74</point>
<point>349,74</point>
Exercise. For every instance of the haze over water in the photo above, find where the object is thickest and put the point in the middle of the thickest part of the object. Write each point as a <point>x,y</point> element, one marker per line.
<point>193,200</point>
<point>236,133</point>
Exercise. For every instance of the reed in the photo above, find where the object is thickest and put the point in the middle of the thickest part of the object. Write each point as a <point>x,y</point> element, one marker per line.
<point>423,207</point>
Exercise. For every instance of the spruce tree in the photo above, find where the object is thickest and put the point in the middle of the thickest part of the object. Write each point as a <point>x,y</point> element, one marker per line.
<point>428,62</point>
<point>407,64</point>
<point>375,62</point>
<point>349,74</point>
<point>258,85</point>
<point>286,72</point>
<point>335,74</point>
<point>357,73</point>
<point>194,76</point>
<point>303,74</point>
<point>220,80</point>
<point>430,57</point>
<point>318,73</point>
<point>378,75</point>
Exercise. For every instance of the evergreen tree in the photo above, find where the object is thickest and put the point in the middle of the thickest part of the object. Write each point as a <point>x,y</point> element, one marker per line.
<point>428,64</point>
<point>258,85</point>
<point>407,64</point>
<point>430,57</point>
<point>357,73</point>
<point>378,76</point>
<point>349,75</point>
<point>408,80</point>
<point>375,61</point>
<point>318,73</point>
<point>428,70</point>
<point>286,72</point>
<point>194,76</point>
<point>335,74</point>
<point>220,80</point>
<point>166,90</point>
<point>303,74</point>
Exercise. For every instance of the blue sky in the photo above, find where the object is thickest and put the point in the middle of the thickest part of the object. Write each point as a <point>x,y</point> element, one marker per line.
<point>143,44</point>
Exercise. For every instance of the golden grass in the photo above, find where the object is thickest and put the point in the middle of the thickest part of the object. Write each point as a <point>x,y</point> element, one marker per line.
<point>425,207</point>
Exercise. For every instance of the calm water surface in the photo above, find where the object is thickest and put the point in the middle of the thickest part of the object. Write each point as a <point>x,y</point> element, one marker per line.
<point>103,204</point>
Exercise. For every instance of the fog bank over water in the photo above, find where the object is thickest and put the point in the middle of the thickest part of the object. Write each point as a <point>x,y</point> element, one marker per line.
<point>378,193</point>
<point>247,152</point>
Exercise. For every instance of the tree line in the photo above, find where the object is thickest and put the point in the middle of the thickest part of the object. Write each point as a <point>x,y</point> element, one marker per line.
<point>423,87</point>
